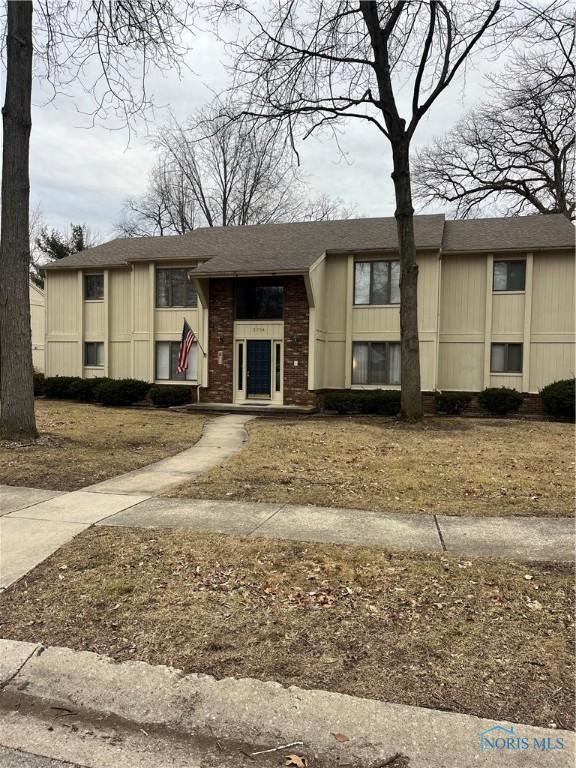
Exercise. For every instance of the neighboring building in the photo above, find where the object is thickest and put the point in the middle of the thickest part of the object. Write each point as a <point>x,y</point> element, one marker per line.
<point>38,326</point>
<point>285,311</point>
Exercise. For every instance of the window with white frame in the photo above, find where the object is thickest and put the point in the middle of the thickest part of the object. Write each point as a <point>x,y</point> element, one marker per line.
<point>174,288</point>
<point>167,362</point>
<point>94,287</point>
<point>376,282</point>
<point>509,275</point>
<point>506,358</point>
<point>94,354</point>
<point>376,362</point>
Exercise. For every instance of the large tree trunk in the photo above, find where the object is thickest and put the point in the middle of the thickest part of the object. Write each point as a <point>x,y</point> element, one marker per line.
<point>411,395</point>
<point>16,383</point>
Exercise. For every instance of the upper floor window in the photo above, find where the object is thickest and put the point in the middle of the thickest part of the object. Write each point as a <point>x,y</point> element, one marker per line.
<point>506,358</point>
<point>174,289</point>
<point>259,299</point>
<point>93,287</point>
<point>377,282</point>
<point>509,275</point>
<point>376,362</point>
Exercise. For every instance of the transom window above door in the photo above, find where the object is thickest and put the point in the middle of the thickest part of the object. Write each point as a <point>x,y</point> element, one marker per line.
<point>174,288</point>
<point>376,362</point>
<point>509,275</point>
<point>376,282</point>
<point>259,299</point>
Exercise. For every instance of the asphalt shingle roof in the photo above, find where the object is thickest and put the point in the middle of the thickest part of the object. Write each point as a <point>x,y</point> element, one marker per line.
<point>295,247</point>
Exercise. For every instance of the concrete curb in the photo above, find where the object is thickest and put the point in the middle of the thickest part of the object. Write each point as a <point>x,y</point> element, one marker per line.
<point>268,714</point>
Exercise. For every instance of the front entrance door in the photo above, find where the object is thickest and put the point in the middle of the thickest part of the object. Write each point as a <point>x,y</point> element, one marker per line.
<point>259,368</point>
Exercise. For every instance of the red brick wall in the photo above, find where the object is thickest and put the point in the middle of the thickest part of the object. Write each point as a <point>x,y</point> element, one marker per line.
<point>296,321</point>
<point>220,339</point>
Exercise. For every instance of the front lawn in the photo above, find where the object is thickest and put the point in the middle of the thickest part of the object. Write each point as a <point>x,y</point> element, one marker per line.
<point>480,636</point>
<point>83,444</point>
<point>447,466</point>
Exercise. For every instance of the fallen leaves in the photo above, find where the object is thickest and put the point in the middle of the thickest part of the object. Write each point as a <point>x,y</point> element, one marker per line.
<point>340,737</point>
<point>296,760</point>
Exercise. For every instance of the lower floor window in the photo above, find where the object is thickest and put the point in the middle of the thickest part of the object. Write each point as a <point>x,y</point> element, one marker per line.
<point>376,362</point>
<point>167,362</point>
<point>506,358</point>
<point>94,354</point>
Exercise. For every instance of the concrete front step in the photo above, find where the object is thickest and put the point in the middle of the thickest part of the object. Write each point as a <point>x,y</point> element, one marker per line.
<point>266,409</point>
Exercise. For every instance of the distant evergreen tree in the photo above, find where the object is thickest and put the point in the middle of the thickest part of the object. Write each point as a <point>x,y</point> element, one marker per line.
<point>52,245</point>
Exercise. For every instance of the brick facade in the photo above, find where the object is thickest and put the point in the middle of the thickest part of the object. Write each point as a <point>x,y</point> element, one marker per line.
<point>296,343</point>
<point>220,387</point>
<point>220,339</point>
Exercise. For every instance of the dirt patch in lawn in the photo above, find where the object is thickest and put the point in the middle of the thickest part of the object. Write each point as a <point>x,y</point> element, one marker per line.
<point>82,444</point>
<point>482,636</point>
<point>446,465</point>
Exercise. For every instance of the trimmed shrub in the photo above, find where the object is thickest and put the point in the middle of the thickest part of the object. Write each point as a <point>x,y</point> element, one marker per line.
<point>58,387</point>
<point>168,395</point>
<point>84,390</point>
<point>38,384</point>
<point>558,398</point>
<point>451,403</point>
<point>380,401</point>
<point>500,400</point>
<point>118,392</point>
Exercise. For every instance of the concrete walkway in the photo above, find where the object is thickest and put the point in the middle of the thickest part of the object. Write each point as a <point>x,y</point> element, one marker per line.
<point>35,523</point>
<point>523,538</point>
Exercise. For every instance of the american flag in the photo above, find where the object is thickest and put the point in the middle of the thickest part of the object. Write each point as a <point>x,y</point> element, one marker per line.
<point>188,338</point>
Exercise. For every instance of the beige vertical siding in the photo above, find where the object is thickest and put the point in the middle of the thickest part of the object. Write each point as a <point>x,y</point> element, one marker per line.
<point>461,366</point>
<point>553,294</point>
<point>37,321</point>
<point>551,361</point>
<point>94,320</point>
<point>507,314</point>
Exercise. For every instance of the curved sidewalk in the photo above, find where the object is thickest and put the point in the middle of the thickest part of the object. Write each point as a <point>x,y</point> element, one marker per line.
<point>35,523</point>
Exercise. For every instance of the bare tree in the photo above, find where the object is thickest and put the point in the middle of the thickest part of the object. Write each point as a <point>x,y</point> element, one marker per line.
<point>514,153</point>
<point>216,171</point>
<point>108,49</point>
<point>385,62</point>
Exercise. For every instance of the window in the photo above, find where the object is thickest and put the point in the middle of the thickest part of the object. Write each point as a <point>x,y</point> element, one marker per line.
<point>506,358</point>
<point>277,366</point>
<point>377,282</point>
<point>509,275</point>
<point>240,366</point>
<point>167,362</point>
<point>259,299</point>
<point>376,362</point>
<point>174,289</point>
<point>94,354</point>
<point>93,287</point>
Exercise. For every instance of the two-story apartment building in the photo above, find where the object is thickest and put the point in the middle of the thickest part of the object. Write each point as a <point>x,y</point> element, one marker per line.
<point>285,311</point>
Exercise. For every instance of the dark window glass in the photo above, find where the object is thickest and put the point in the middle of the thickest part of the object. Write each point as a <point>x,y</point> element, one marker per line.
<point>259,300</point>
<point>506,358</point>
<point>509,275</point>
<point>93,287</point>
<point>278,371</point>
<point>377,282</point>
<point>376,362</point>
<point>174,289</point>
<point>94,354</point>
<point>240,366</point>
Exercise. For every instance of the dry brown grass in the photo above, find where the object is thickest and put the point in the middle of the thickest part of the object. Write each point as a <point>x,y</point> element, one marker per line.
<point>82,444</point>
<point>432,630</point>
<point>447,465</point>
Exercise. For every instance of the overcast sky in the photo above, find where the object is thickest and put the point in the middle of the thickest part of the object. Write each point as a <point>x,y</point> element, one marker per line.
<point>82,175</point>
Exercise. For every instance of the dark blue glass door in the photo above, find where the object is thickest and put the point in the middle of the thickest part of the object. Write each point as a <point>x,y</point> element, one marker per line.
<point>258,368</point>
